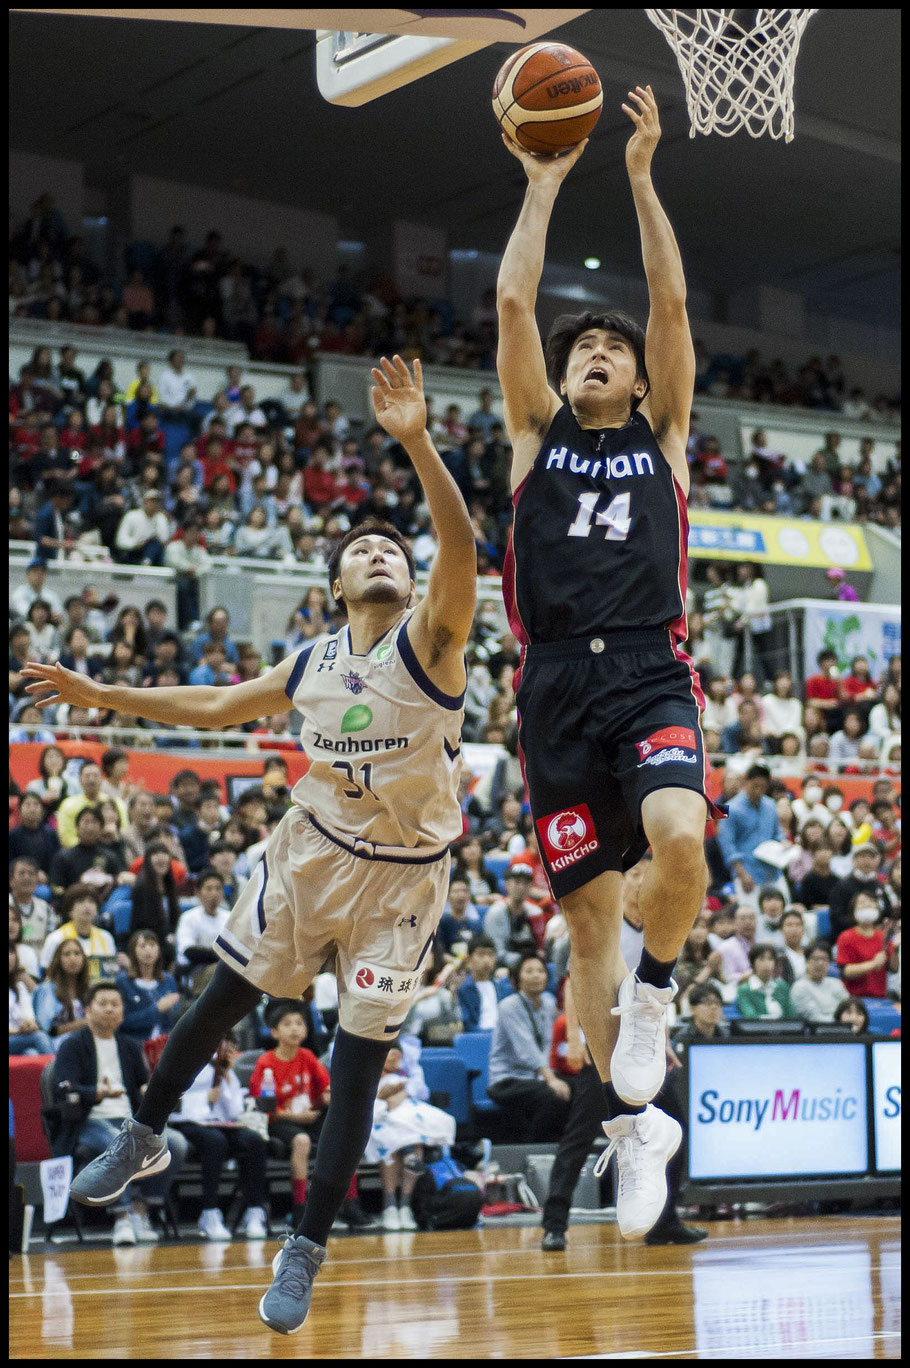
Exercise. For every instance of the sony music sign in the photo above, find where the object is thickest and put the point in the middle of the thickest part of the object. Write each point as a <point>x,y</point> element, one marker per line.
<point>886,1091</point>
<point>762,1111</point>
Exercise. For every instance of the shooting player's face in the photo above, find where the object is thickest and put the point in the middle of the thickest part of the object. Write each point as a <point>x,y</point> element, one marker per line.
<point>373,570</point>
<point>600,373</point>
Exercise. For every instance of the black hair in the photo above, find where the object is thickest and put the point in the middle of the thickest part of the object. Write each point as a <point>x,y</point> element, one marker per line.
<point>763,948</point>
<point>758,772</point>
<point>206,874</point>
<point>769,891</point>
<point>823,945</point>
<point>515,971</point>
<point>370,527</point>
<point>856,1001</point>
<point>481,942</point>
<point>99,986</point>
<point>700,992</point>
<point>277,1014</point>
<point>569,327</point>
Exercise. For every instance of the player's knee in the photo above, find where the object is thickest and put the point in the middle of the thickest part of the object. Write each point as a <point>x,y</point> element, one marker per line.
<point>683,852</point>
<point>587,922</point>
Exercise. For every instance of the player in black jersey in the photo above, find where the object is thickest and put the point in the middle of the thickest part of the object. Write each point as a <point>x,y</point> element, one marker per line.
<point>595,584</point>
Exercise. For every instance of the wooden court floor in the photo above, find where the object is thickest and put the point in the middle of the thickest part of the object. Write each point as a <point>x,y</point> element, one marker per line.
<point>825,1288</point>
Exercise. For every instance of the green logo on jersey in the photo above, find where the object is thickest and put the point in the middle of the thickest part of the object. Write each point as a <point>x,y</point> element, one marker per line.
<point>385,651</point>
<point>357,718</point>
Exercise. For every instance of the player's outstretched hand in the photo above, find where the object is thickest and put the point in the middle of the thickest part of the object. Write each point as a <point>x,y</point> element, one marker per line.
<point>69,687</point>
<point>641,145</point>
<point>398,400</point>
<point>543,170</point>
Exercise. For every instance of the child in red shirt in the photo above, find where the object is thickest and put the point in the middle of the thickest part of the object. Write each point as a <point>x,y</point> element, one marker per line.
<point>302,1096</point>
<point>862,955</point>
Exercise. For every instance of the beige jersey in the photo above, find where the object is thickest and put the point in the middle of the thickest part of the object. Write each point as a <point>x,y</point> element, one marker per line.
<point>383,742</point>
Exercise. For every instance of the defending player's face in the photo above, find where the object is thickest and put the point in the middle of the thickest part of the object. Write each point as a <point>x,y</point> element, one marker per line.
<point>373,570</point>
<point>601,367</point>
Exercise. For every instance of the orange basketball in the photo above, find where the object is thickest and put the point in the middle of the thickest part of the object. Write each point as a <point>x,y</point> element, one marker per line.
<point>547,97</point>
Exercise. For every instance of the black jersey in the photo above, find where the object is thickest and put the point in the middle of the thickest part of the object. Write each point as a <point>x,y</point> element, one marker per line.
<point>599,540</point>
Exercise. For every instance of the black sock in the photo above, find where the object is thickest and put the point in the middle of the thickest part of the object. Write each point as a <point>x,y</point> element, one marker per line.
<point>654,971</point>
<point>356,1071</point>
<point>616,1106</point>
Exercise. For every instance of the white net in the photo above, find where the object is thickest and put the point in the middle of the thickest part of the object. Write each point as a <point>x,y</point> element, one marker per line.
<point>737,65</point>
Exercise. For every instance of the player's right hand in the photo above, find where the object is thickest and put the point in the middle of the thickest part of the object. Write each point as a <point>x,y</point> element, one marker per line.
<point>70,687</point>
<point>545,170</point>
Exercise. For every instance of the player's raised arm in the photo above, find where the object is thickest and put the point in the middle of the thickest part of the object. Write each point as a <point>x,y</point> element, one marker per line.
<point>186,705</point>
<point>669,354</point>
<point>529,401</point>
<point>442,623</point>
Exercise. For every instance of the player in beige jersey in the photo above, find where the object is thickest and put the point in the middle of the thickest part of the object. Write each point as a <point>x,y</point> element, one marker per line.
<point>359,864</point>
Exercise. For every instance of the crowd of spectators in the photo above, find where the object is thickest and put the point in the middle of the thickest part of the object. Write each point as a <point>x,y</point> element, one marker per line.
<point>281,313</point>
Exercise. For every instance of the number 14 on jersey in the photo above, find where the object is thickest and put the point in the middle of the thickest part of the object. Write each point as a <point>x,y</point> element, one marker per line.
<point>615,517</point>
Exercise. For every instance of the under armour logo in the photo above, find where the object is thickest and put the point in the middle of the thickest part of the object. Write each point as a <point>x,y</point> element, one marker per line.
<point>407,921</point>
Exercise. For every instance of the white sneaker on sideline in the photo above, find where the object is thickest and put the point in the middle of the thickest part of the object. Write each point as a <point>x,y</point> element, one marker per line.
<point>123,1232</point>
<point>643,1146</point>
<point>253,1226</point>
<point>212,1227</point>
<point>638,1064</point>
<point>144,1230</point>
<point>391,1219</point>
<point>406,1218</point>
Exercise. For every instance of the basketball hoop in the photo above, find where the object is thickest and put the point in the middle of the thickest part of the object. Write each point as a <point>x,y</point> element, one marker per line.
<point>737,65</point>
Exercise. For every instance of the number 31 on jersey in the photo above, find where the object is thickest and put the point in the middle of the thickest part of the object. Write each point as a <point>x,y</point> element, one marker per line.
<point>615,517</point>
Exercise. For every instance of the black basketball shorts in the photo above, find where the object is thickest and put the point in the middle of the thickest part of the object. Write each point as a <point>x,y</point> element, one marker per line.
<point>604,721</point>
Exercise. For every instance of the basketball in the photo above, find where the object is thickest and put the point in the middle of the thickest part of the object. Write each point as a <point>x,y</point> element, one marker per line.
<point>547,97</point>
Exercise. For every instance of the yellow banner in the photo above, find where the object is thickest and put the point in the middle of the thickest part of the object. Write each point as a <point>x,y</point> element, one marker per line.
<point>778,541</point>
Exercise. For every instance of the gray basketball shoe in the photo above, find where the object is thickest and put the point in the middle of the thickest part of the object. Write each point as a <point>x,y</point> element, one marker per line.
<point>137,1152</point>
<point>284,1307</point>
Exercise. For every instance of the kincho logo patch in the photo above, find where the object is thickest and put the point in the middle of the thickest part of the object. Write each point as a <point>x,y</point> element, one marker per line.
<point>568,836</point>
<point>668,744</point>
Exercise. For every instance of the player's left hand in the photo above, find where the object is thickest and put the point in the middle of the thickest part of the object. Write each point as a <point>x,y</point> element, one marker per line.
<point>641,145</point>
<point>398,400</point>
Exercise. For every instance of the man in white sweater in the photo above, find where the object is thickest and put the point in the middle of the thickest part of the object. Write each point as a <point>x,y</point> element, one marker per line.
<point>144,532</point>
<point>815,996</point>
<point>189,558</point>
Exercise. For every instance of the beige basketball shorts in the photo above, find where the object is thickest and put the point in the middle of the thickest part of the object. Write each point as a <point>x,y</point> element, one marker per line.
<point>316,893</point>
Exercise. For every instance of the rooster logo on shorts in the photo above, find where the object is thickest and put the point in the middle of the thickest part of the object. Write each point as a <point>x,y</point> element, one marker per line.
<point>566,830</point>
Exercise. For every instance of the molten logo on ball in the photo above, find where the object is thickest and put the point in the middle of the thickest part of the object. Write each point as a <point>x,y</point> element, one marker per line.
<point>365,978</point>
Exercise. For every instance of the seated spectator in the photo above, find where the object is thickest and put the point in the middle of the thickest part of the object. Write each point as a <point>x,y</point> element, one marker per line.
<point>25,1035</point>
<point>78,913</point>
<point>209,1117</point>
<point>29,728</point>
<point>885,717</point>
<point>403,1123</point>
<point>822,689</point>
<point>197,931</point>
<point>468,865</point>
<point>886,832</point>
<point>144,532</point>
<point>142,822</point>
<point>35,915</point>
<point>510,921</point>
<point>781,712</point>
<point>815,995</point>
<point>460,919</point>
<point>791,959</point>
<point>521,1080</point>
<point>44,638</point>
<point>863,877</point>
<point>35,587</point>
<point>698,963</point>
<point>841,845</point>
<point>845,743</point>
<point>150,996</point>
<point>302,1088</point>
<point>707,1021</point>
<point>69,866</point>
<point>108,1073</point>
<point>858,690</point>
<point>480,994</point>
<point>77,654</point>
<point>735,950</point>
<point>91,778</point>
<point>864,954</point>
<point>177,389</point>
<point>853,1015</point>
<point>503,830</point>
<point>28,957</point>
<point>155,905</point>
<point>20,649</point>
<point>33,838</point>
<point>771,904</point>
<point>217,623</point>
<point>761,995</point>
<point>434,1016</point>
<point>59,999</point>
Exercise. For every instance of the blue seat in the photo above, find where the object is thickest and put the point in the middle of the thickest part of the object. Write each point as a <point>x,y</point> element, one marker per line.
<point>473,1047</point>
<point>497,865</point>
<point>176,435</point>
<point>445,1072</point>
<point>731,1011</point>
<point>824,922</point>
<point>883,1015</point>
